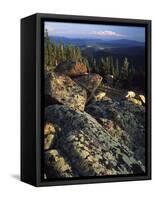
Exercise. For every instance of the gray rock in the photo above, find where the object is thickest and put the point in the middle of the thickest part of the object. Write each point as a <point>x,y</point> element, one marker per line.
<point>61,89</point>
<point>56,165</point>
<point>90,82</point>
<point>88,146</point>
<point>128,122</point>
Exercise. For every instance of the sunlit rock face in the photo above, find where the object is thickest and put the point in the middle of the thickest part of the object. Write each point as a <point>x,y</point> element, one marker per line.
<point>72,68</point>
<point>60,88</point>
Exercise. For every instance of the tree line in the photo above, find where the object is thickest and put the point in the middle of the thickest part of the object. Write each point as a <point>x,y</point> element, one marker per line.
<point>109,65</point>
<point>121,69</point>
<point>57,53</point>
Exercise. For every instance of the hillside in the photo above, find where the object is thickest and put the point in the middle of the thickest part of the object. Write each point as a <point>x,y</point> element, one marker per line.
<point>91,128</point>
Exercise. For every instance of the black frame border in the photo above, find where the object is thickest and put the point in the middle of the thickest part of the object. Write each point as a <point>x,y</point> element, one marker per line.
<point>40,102</point>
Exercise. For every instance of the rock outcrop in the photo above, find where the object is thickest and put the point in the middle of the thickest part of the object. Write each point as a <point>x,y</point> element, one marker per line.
<point>91,129</point>
<point>87,146</point>
<point>61,89</point>
<point>72,68</point>
<point>125,119</point>
<point>90,82</point>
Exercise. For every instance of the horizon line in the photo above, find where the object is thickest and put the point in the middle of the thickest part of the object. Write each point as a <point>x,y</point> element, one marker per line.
<point>98,38</point>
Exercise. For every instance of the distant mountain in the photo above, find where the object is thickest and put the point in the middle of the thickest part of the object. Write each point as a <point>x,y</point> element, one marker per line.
<point>89,42</point>
<point>134,50</point>
<point>126,43</point>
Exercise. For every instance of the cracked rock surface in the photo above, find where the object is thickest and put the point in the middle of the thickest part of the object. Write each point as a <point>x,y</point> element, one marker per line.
<point>91,129</point>
<point>86,147</point>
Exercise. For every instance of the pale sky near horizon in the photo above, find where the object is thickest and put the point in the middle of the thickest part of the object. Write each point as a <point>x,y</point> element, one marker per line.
<point>76,30</point>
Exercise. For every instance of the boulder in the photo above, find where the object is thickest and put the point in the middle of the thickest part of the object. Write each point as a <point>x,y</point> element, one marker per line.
<point>135,98</point>
<point>90,82</point>
<point>71,68</point>
<point>84,153</point>
<point>56,165</point>
<point>130,94</point>
<point>128,123</point>
<point>61,89</point>
<point>109,79</point>
<point>88,146</point>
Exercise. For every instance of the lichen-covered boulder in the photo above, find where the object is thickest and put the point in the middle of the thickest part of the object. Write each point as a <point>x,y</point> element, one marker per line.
<point>117,133</point>
<point>59,88</point>
<point>56,165</point>
<point>84,153</point>
<point>90,82</point>
<point>71,68</point>
<point>126,116</point>
<point>88,146</point>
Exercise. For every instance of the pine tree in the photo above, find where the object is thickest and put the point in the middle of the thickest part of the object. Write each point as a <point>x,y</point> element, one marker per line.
<point>95,65</point>
<point>55,61</point>
<point>56,53</point>
<point>102,65</point>
<point>47,52</point>
<point>117,68</point>
<point>124,70</point>
<point>78,54</point>
<point>62,53</point>
<point>85,62</point>
<point>112,71</point>
<point>107,65</point>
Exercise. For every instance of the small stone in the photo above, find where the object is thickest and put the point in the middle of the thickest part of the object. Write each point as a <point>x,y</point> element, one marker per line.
<point>130,94</point>
<point>84,154</point>
<point>142,98</point>
<point>100,96</point>
<point>135,101</point>
<point>49,128</point>
<point>70,138</point>
<point>48,141</point>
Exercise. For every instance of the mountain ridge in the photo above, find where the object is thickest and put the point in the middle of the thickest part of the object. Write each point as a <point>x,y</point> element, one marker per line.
<point>96,41</point>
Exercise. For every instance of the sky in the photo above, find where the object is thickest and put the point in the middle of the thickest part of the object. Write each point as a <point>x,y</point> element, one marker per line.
<point>105,32</point>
